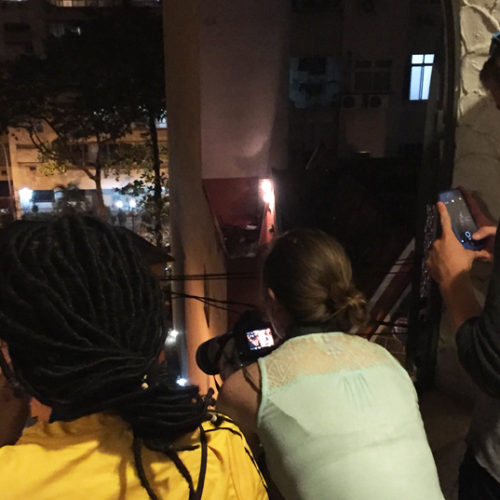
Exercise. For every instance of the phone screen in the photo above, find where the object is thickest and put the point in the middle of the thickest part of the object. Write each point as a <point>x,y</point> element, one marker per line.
<point>259,339</point>
<point>462,222</point>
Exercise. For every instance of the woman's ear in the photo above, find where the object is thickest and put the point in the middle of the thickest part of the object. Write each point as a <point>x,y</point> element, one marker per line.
<point>40,411</point>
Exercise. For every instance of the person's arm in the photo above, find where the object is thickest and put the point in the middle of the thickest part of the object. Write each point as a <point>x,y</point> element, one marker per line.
<point>477,331</point>
<point>239,399</point>
<point>460,300</point>
<point>487,227</point>
<point>488,234</point>
<point>478,338</point>
<point>449,264</point>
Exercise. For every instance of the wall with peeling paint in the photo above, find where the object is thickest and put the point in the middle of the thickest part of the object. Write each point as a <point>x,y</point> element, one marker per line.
<point>477,157</point>
<point>477,163</point>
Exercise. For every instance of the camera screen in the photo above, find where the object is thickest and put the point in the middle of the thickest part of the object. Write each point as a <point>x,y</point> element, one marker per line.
<point>258,339</point>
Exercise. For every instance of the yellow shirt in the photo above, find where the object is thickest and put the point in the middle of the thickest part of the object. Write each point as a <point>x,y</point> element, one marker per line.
<point>91,459</point>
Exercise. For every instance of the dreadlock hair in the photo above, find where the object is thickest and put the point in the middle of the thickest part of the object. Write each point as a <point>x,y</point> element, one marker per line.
<point>82,316</point>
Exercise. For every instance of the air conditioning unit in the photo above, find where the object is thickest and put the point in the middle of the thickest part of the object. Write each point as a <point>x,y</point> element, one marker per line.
<point>376,101</point>
<point>352,101</point>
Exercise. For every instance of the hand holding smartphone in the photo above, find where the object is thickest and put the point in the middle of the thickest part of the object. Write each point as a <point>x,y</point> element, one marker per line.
<point>462,222</point>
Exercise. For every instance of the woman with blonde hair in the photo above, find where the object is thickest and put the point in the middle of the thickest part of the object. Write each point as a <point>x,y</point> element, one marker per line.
<point>336,415</point>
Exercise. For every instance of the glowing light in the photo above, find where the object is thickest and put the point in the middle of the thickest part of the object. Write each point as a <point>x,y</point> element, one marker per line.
<point>182,381</point>
<point>119,204</point>
<point>172,337</point>
<point>132,203</point>
<point>25,195</point>
<point>267,191</point>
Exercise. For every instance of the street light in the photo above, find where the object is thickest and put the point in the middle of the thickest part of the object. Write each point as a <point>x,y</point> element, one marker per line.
<point>131,205</point>
<point>266,188</point>
<point>25,197</point>
<point>172,337</point>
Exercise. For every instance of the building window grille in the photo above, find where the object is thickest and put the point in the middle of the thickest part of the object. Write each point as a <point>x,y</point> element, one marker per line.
<point>420,76</point>
<point>372,76</point>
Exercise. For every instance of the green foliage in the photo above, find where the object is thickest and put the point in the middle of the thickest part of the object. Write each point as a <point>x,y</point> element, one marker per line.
<point>89,89</point>
<point>152,209</point>
<point>115,158</point>
<point>71,200</point>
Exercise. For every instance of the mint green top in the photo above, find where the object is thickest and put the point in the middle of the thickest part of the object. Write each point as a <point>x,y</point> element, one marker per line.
<point>339,420</point>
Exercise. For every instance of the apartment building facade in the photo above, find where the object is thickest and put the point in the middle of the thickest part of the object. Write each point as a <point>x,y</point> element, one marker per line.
<point>24,182</point>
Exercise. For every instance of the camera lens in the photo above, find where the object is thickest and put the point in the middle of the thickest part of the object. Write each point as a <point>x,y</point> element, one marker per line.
<point>209,353</point>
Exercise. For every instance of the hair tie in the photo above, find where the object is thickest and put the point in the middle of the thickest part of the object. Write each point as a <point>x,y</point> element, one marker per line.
<point>352,300</point>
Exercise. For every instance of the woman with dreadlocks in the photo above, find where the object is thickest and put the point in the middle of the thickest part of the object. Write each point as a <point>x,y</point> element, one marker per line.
<point>337,416</point>
<point>81,316</point>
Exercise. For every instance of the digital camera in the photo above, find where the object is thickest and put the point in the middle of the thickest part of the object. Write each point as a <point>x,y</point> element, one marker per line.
<point>250,338</point>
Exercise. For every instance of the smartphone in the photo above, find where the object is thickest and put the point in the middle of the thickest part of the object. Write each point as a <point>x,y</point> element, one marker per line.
<point>462,222</point>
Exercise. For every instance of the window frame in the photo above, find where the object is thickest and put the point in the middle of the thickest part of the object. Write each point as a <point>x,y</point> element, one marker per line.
<point>423,78</point>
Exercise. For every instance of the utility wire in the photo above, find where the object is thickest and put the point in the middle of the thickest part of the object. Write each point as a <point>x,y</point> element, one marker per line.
<point>209,299</point>
<point>219,304</point>
<point>215,306</point>
<point>248,275</point>
<point>212,276</point>
<point>215,303</point>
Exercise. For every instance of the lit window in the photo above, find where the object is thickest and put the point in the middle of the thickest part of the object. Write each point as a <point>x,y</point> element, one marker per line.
<point>420,76</point>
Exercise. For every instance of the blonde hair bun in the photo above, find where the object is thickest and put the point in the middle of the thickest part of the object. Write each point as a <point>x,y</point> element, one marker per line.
<point>311,276</point>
